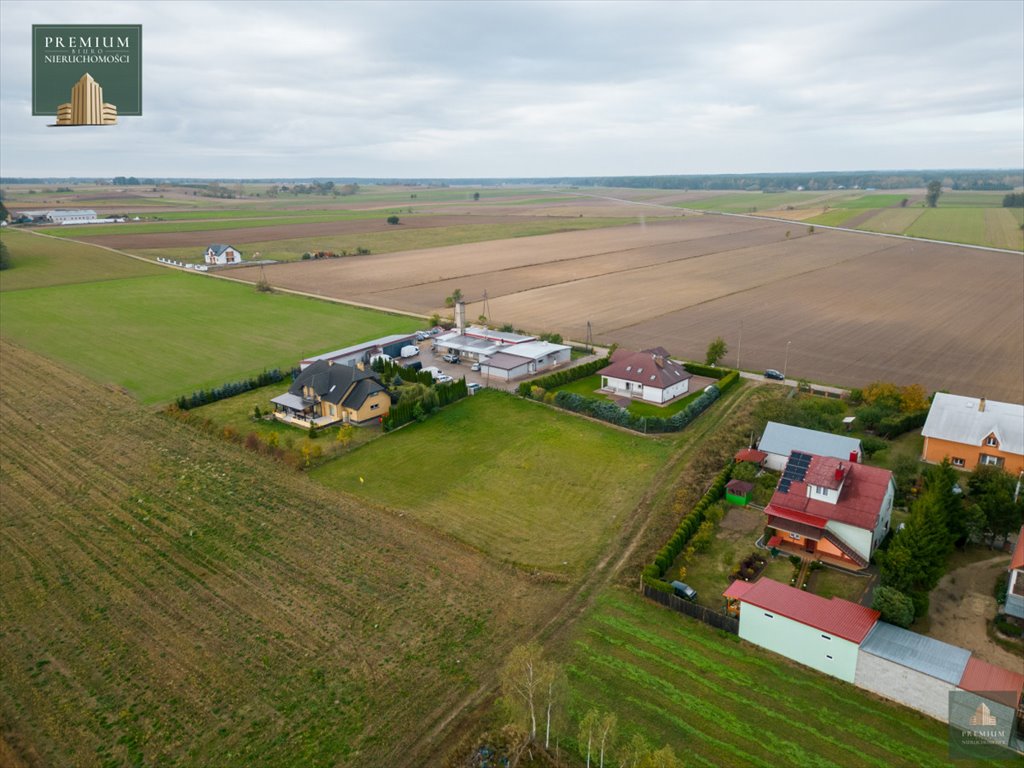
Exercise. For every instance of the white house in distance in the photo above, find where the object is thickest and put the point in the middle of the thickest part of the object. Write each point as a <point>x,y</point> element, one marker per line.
<point>648,375</point>
<point>222,254</point>
<point>823,634</point>
<point>780,440</point>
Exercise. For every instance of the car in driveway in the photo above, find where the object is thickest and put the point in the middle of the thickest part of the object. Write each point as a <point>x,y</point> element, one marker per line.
<point>451,358</point>
<point>444,378</point>
<point>771,373</point>
<point>475,367</point>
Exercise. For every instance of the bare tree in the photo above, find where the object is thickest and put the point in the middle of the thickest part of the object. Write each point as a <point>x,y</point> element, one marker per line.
<point>588,728</point>
<point>522,681</point>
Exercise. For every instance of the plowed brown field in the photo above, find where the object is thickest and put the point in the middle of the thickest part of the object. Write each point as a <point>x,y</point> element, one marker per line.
<point>854,307</point>
<point>133,242</point>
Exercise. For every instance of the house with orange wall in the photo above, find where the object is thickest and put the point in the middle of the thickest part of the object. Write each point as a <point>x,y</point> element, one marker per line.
<point>970,431</point>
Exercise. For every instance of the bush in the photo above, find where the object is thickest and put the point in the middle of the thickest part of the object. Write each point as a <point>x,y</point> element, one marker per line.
<point>392,219</point>
<point>711,372</point>
<point>205,396</point>
<point>872,445</point>
<point>1008,627</point>
<point>894,426</point>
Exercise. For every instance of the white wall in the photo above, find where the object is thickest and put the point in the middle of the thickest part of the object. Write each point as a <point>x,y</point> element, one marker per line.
<point>799,642</point>
<point>907,686</point>
<point>858,538</point>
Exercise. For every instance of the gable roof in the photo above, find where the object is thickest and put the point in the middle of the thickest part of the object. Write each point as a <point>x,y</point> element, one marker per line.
<point>647,368</point>
<point>909,649</point>
<point>835,616</point>
<point>860,499</point>
<point>333,382</point>
<point>783,439</point>
<point>218,249</point>
<point>960,419</point>
<point>991,681</point>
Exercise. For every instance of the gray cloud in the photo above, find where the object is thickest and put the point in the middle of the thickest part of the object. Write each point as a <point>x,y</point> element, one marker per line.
<point>524,88</point>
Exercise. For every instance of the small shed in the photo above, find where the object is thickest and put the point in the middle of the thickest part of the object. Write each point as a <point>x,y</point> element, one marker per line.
<point>738,492</point>
<point>751,455</point>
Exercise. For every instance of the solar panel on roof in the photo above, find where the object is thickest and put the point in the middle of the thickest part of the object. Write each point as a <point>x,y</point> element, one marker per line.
<point>784,485</point>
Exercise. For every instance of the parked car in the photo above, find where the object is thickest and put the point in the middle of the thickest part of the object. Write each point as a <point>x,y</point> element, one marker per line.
<point>451,357</point>
<point>475,367</point>
<point>473,387</point>
<point>771,373</point>
<point>421,335</point>
<point>444,378</point>
<point>685,591</point>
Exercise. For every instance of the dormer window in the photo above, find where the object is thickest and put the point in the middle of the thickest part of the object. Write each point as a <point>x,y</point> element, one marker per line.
<point>991,441</point>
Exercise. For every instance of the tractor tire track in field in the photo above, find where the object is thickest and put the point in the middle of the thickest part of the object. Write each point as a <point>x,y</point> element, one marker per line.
<point>454,723</point>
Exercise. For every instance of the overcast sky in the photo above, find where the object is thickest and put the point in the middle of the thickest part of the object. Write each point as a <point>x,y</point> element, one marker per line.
<point>467,89</point>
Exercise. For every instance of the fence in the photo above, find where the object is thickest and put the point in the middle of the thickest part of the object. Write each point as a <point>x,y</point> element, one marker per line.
<point>699,612</point>
<point>173,263</point>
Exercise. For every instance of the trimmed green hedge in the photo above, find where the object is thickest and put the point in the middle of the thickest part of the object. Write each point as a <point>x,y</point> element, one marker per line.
<point>893,426</point>
<point>653,574</point>
<point>445,393</point>
<point>559,378</point>
<point>712,372</point>
<point>613,414</point>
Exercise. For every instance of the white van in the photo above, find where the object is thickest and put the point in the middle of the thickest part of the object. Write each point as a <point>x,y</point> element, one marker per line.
<point>410,350</point>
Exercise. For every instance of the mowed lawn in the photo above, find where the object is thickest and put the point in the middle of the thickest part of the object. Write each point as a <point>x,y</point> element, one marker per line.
<point>518,480</point>
<point>38,261</point>
<point>718,700</point>
<point>172,333</point>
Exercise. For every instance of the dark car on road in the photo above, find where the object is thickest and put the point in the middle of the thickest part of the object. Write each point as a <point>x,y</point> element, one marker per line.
<point>771,373</point>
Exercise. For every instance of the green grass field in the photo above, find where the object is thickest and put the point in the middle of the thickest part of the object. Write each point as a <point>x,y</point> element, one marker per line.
<point>744,202</point>
<point>515,479</point>
<point>38,261</point>
<point>398,239</point>
<point>167,335</point>
<point>720,701</point>
<point>895,221</point>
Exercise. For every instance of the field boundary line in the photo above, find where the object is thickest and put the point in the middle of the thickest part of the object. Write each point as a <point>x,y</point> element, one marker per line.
<point>816,226</point>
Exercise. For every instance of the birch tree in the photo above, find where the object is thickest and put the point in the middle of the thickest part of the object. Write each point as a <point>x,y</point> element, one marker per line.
<point>606,734</point>
<point>588,729</point>
<point>522,683</point>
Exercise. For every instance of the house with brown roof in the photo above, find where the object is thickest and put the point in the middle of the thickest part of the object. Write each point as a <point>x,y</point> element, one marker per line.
<point>326,393</point>
<point>831,509</point>
<point>648,375</point>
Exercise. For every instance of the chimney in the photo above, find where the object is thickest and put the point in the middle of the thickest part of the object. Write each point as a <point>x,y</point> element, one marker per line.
<point>360,366</point>
<point>460,316</point>
<point>981,405</point>
<point>853,457</point>
<point>839,473</point>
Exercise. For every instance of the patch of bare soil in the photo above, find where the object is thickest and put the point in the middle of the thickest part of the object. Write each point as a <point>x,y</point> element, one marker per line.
<point>962,605</point>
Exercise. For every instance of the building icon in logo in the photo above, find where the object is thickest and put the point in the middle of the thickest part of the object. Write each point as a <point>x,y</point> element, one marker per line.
<point>982,716</point>
<point>86,106</point>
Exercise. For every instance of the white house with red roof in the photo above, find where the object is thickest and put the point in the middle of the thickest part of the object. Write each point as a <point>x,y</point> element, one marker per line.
<point>823,634</point>
<point>832,509</point>
<point>648,375</point>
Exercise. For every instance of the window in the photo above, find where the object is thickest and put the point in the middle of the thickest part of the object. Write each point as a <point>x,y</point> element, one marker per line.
<point>828,657</point>
<point>375,406</point>
<point>957,461</point>
<point>991,441</point>
<point>995,461</point>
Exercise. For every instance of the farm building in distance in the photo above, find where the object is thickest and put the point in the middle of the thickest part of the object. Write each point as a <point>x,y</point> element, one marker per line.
<point>648,375</point>
<point>362,352</point>
<point>971,431</point>
<point>326,393</point>
<point>518,360</point>
<point>832,509</point>
<point>222,254</point>
<point>848,641</point>
<point>780,440</point>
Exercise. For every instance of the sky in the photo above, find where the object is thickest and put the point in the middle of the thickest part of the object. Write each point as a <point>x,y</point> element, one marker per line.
<point>535,89</point>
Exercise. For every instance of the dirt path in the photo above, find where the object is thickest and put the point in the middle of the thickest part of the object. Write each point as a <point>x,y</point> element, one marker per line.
<point>961,606</point>
<point>464,716</point>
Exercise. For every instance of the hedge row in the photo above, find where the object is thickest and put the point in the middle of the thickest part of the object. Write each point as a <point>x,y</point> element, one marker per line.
<point>560,378</point>
<point>388,369</point>
<point>439,396</point>
<point>613,414</point>
<point>727,382</point>
<point>653,574</point>
<point>712,372</point>
<point>893,426</point>
<point>232,388</point>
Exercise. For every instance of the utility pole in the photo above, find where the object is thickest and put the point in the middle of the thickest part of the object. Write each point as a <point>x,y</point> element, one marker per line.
<point>739,346</point>
<point>785,365</point>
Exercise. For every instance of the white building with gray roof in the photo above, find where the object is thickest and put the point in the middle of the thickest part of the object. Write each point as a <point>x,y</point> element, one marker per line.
<point>780,440</point>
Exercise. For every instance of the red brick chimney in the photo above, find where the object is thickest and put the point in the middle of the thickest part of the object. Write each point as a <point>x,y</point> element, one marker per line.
<point>853,457</point>
<point>839,473</point>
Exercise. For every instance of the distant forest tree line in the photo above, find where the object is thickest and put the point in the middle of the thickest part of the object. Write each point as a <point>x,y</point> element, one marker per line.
<point>959,180</point>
